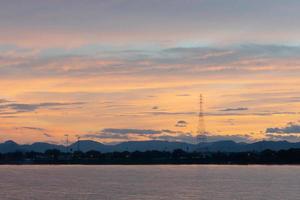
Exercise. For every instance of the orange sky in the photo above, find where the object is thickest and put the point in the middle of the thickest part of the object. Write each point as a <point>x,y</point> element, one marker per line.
<point>116,71</point>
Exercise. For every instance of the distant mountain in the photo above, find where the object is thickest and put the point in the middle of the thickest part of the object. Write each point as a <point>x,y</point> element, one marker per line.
<point>224,146</point>
<point>87,145</point>
<point>152,145</point>
<point>231,146</point>
<point>11,146</point>
<point>42,147</point>
<point>278,145</point>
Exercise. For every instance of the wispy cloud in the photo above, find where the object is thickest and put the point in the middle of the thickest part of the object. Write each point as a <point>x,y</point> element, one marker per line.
<point>183,95</point>
<point>47,135</point>
<point>189,60</point>
<point>131,131</point>
<point>291,128</point>
<point>22,107</point>
<point>155,107</point>
<point>126,134</point>
<point>33,128</point>
<point>181,123</point>
<point>170,113</point>
<point>277,137</point>
<point>3,101</point>
<point>164,134</point>
<point>234,109</point>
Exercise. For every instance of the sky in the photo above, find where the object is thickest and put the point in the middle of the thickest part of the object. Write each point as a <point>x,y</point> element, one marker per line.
<point>120,70</point>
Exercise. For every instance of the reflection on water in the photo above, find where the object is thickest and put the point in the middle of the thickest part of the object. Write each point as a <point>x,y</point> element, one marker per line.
<point>150,182</point>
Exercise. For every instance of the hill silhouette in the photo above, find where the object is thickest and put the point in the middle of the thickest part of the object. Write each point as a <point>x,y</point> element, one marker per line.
<point>158,145</point>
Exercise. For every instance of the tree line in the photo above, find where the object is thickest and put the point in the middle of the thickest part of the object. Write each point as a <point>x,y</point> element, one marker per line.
<point>54,156</point>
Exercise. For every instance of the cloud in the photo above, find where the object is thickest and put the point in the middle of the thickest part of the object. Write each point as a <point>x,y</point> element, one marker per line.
<point>7,116</point>
<point>43,131</point>
<point>169,131</point>
<point>171,113</point>
<point>21,107</point>
<point>33,128</point>
<point>291,128</point>
<point>127,134</point>
<point>131,131</point>
<point>266,97</point>
<point>144,21</point>
<point>104,135</point>
<point>179,61</point>
<point>181,123</point>
<point>222,113</point>
<point>47,135</point>
<point>181,137</point>
<point>278,137</point>
<point>164,134</point>
<point>3,101</point>
<point>121,134</point>
<point>183,95</point>
<point>230,122</point>
<point>234,109</point>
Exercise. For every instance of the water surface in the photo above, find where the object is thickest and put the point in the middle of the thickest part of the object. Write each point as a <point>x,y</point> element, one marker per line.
<point>150,182</point>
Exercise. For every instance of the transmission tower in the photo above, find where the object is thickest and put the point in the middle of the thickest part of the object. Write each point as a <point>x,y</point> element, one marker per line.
<point>201,137</point>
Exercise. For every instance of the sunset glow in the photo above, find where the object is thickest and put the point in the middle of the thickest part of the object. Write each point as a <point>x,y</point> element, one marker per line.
<point>101,70</point>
